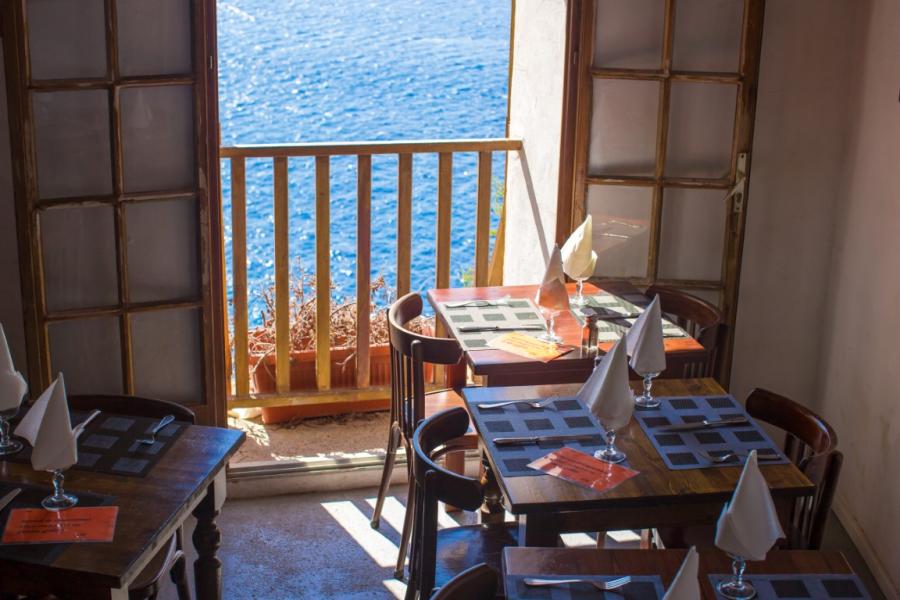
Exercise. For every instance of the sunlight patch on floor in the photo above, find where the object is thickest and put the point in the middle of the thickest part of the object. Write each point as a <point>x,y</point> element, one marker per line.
<point>356,524</point>
<point>578,540</point>
<point>397,588</point>
<point>624,536</point>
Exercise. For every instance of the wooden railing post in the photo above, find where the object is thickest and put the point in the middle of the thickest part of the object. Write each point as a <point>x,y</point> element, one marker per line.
<point>483,219</point>
<point>239,274</point>
<point>404,223</point>
<point>323,273</point>
<point>444,216</point>
<point>363,266</point>
<point>282,279</point>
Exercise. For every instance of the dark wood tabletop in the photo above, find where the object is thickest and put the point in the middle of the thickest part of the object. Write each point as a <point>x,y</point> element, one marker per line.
<point>665,563</point>
<point>654,498</point>
<point>503,368</point>
<point>190,478</point>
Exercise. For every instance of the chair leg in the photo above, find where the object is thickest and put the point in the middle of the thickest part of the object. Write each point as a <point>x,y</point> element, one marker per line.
<point>178,574</point>
<point>389,459</point>
<point>407,520</point>
<point>601,540</point>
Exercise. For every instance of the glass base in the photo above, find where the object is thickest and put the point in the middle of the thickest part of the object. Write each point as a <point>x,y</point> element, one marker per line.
<point>60,502</point>
<point>610,455</point>
<point>578,300</point>
<point>550,337</point>
<point>731,590</point>
<point>646,401</point>
<point>10,448</point>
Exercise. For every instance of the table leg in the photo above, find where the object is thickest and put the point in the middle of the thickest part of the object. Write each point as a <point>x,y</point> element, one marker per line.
<point>455,462</point>
<point>492,511</point>
<point>538,530</point>
<point>207,537</point>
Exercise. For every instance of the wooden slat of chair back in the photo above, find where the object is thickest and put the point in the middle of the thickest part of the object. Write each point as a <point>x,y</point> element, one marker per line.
<point>811,443</point>
<point>132,405</point>
<point>703,321</point>
<point>438,351</point>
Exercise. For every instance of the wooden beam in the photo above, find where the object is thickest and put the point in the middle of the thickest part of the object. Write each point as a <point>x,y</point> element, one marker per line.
<point>363,267</point>
<point>282,278</point>
<point>483,219</point>
<point>404,224</point>
<point>239,274</point>
<point>323,273</point>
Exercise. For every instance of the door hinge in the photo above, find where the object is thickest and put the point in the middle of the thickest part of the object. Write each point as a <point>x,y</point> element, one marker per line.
<point>739,191</point>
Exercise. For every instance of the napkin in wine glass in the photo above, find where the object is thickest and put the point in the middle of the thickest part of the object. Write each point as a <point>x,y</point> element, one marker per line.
<point>686,584</point>
<point>749,525</point>
<point>12,384</point>
<point>606,392</point>
<point>578,257</point>
<point>645,341</point>
<point>48,428</point>
<point>552,294</point>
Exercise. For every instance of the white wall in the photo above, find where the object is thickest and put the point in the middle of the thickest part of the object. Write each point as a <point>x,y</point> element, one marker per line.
<point>535,115</point>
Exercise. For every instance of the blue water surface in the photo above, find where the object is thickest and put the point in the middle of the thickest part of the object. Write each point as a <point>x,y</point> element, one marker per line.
<point>349,70</point>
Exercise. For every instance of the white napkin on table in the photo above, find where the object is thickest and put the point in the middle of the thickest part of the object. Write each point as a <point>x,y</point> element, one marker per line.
<point>577,256</point>
<point>749,525</point>
<point>12,384</point>
<point>607,393</point>
<point>552,294</point>
<point>48,428</point>
<point>686,585</point>
<point>645,341</point>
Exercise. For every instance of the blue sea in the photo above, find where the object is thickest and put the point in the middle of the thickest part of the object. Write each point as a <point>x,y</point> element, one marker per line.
<point>352,70</point>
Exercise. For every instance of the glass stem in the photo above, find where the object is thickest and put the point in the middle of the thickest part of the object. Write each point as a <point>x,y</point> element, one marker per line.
<point>579,286</point>
<point>551,323</point>
<point>4,432</point>
<point>610,441</point>
<point>648,383</point>
<point>738,565</point>
<point>58,479</point>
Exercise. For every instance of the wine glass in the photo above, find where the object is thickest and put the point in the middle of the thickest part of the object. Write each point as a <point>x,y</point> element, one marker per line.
<point>579,299</point>
<point>646,400</point>
<point>550,335</point>
<point>737,588</point>
<point>610,454</point>
<point>7,444</point>
<point>59,499</point>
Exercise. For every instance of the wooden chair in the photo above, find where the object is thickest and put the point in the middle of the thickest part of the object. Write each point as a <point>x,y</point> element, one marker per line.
<point>170,559</point>
<point>476,583</point>
<point>703,321</point>
<point>437,556</point>
<point>409,402</point>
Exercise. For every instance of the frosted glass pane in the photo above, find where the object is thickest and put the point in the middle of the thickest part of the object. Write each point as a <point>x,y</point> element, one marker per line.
<point>79,252</point>
<point>154,37</point>
<point>623,127</point>
<point>158,137</point>
<point>701,130</point>
<point>621,217</point>
<point>692,235</point>
<point>168,355</point>
<point>72,139</point>
<point>162,250</point>
<point>629,34</point>
<point>88,353</point>
<point>707,35</point>
<point>66,39</point>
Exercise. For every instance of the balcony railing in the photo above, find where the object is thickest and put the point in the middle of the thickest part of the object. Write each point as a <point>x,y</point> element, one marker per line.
<point>241,395</point>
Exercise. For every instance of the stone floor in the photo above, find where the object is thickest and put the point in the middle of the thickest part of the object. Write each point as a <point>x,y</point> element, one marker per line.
<point>320,546</point>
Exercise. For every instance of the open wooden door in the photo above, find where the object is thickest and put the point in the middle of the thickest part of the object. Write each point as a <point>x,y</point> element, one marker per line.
<point>658,127</point>
<point>114,143</point>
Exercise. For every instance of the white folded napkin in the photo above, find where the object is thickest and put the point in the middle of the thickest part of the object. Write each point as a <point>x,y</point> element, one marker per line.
<point>607,393</point>
<point>749,525</point>
<point>645,341</point>
<point>552,294</point>
<point>686,585</point>
<point>48,428</point>
<point>12,384</point>
<point>578,257</point>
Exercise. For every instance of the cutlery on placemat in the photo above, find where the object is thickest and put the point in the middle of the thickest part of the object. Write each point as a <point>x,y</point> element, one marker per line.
<point>79,429</point>
<point>479,303</point>
<point>151,439</point>
<point>477,328</point>
<point>5,500</point>
<point>546,403</point>
<point>728,456</point>
<point>704,424</point>
<point>537,439</point>
<point>605,586</point>
<point>617,317</point>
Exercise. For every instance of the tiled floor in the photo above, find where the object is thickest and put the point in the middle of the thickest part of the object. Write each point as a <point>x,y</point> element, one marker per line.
<point>320,546</point>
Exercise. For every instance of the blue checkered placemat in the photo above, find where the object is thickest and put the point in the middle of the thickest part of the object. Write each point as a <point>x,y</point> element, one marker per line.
<point>642,587</point>
<point>807,586</point>
<point>684,450</point>
<point>565,415</point>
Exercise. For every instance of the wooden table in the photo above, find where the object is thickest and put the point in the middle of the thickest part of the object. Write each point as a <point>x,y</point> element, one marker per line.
<point>189,479</point>
<point>502,368</point>
<point>665,563</point>
<point>657,497</point>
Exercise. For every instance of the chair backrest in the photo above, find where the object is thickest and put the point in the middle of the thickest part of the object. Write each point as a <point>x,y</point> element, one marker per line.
<point>811,444</point>
<point>433,483</point>
<point>476,583</point>
<point>132,405</point>
<point>409,353</point>
<point>703,321</point>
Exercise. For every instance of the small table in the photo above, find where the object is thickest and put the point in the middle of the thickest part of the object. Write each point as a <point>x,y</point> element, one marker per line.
<point>665,563</point>
<point>189,479</point>
<point>657,497</point>
<point>500,368</point>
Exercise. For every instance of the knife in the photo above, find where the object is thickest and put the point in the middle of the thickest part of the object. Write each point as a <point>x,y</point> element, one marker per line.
<point>617,317</point>
<point>704,424</point>
<point>524,441</point>
<point>474,328</point>
<point>9,498</point>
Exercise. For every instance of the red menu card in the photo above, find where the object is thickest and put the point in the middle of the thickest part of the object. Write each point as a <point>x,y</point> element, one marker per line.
<point>78,524</point>
<point>583,469</point>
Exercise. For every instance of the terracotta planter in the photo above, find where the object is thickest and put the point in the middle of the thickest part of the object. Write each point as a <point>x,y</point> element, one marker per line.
<point>303,377</point>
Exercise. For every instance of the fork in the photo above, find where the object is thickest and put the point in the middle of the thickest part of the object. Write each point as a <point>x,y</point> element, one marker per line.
<point>545,403</point>
<point>504,301</point>
<point>727,457</point>
<point>605,586</point>
<point>151,439</point>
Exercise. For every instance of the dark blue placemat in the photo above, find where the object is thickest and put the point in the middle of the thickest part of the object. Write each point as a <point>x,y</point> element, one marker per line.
<point>682,450</point>
<point>563,416</point>
<point>808,586</point>
<point>642,587</point>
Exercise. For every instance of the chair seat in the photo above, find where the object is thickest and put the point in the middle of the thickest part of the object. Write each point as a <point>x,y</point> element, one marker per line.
<point>441,400</point>
<point>158,566</point>
<point>459,548</point>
